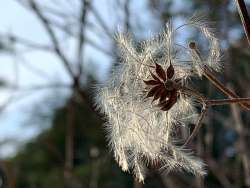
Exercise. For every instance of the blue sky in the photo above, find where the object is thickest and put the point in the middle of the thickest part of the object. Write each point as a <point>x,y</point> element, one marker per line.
<point>16,20</point>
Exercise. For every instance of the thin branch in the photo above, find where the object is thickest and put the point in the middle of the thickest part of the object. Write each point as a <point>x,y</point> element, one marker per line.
<point>101,22</point>
<point>209,75</point>
<point>57,13</point>
<point>52,36</point>
<point>13,99</point>
<point>66,30</point>
<point>29,44</point>
<point>87,40</point>
<point>127,25</point>
<point>242,9</point>
<point>197,126</point>
<point>33,69</point>
<point>81,37</point>
<point>213,102</point>
<point>206,103</point>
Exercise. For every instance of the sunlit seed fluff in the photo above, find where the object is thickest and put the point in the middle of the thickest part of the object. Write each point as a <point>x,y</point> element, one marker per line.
<point>213,59</point>
<point>139,134</point>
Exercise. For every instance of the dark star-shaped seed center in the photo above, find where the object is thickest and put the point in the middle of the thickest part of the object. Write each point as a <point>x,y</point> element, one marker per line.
<point>163,87</point>
<point>169,85</point>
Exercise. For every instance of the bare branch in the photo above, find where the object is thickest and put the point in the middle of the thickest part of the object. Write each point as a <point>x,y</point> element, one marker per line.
<point>33,69</point>
<point>101,22</point>
<point>242,9</point>
<point>210,76</point>
<point>26,42</point>
<point>127,15</point>
<point>206,103</point>
<point>197,126</point>
<point>222,88</point>
<point>56,13</point>
<point>27,92</point>
<point>52,35</point>
<point>87,40</point>
<point>81,37</point>
<point>213,102</point>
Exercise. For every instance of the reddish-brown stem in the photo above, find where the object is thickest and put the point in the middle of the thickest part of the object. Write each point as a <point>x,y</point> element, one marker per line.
<point>209,75</point>
<point>206,103</point>
<point>242,9</point>
<point>197,126</point>
<point>226,101</point>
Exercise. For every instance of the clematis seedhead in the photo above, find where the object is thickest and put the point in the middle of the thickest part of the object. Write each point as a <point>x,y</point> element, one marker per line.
<point>144,103</point>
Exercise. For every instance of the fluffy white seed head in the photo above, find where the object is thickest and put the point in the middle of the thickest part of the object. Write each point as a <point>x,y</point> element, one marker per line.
<point>139,134</point>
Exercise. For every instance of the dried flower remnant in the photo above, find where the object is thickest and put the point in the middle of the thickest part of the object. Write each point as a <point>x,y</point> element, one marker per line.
<point>143,133</point>
<point>164,88</point>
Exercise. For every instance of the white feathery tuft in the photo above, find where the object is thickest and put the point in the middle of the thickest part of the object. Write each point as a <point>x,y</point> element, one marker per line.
<point>139,134</point>
<point>213,60</point>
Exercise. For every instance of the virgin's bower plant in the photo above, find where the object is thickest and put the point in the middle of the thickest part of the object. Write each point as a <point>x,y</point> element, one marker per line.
<point>148,99</point>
